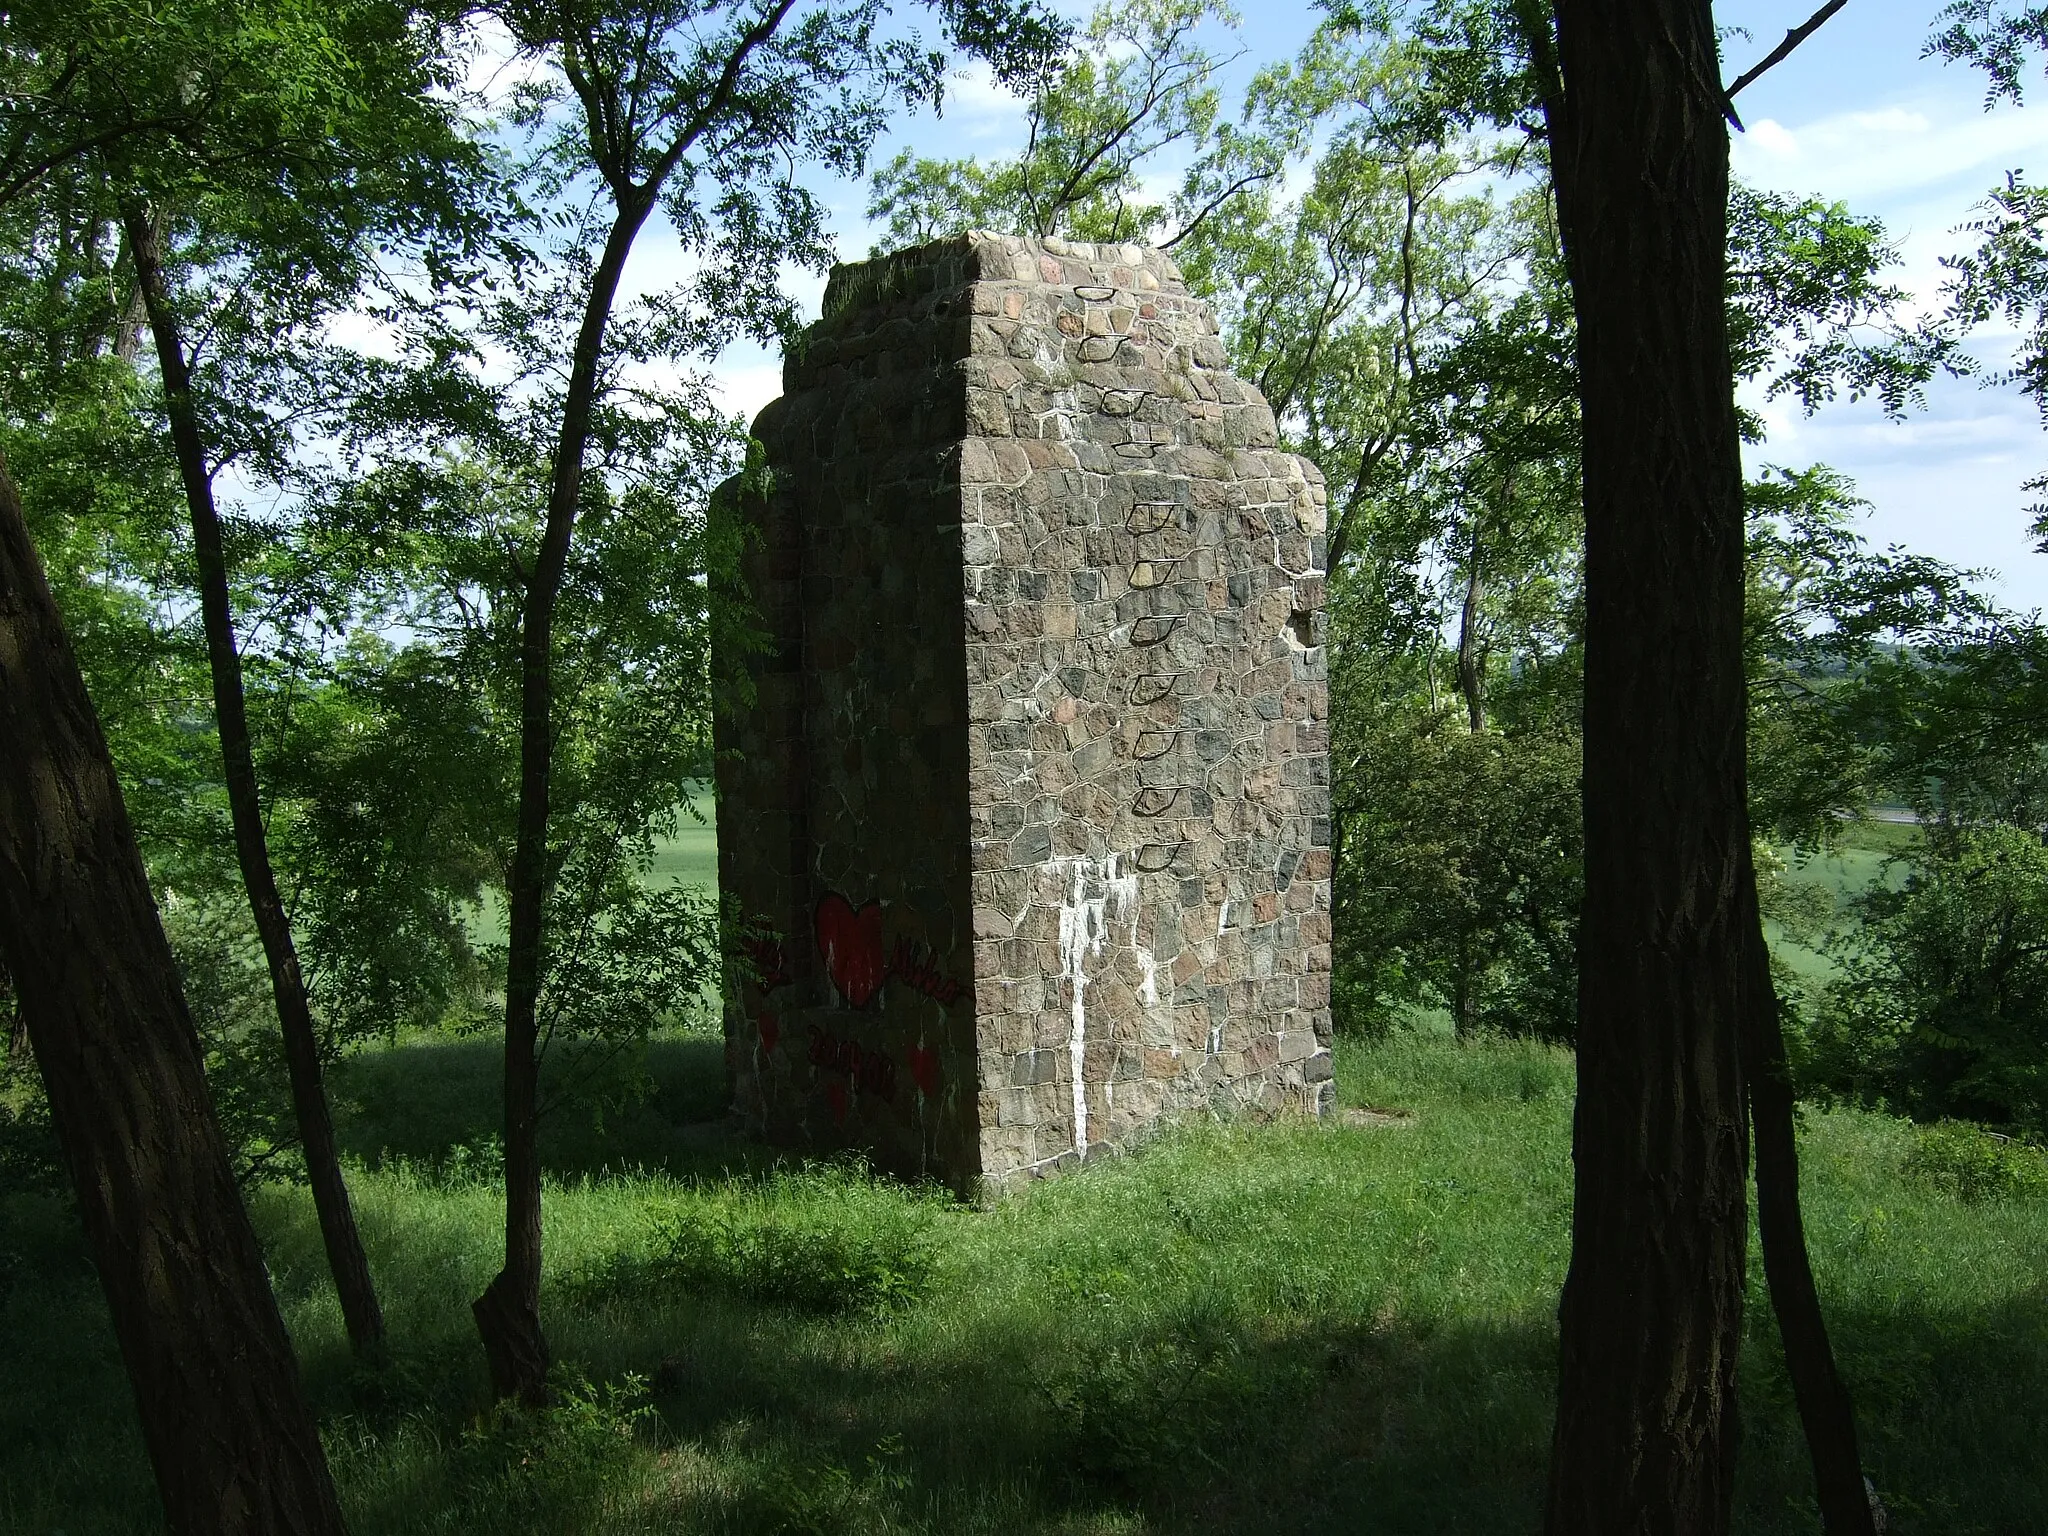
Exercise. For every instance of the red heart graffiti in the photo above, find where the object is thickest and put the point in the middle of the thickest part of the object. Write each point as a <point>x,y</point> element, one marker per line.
<point>770,1027</point>
<point>924,1067</point>
<point>835,1096</point>
<point>851,942</point>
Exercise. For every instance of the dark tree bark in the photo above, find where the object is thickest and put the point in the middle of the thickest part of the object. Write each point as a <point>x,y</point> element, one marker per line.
<point>134,311</point>
<point>344,1245</point>
<point>1652,1307</point>
<point>10,1011</point>
<point>234,1447</point>
<point>1679,1033</point>
<point>1825,1412</point>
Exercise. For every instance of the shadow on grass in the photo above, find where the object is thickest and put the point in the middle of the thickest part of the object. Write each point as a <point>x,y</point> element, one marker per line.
<point>1949,1412</point>
<point>766,1429</point>
<point>659,1107</point>
<point>1332,1425</point>
<point>1285,1329</point>
<point>771,1423</point>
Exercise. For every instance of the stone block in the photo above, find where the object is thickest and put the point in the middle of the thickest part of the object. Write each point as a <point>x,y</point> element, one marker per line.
<point>1033,805</point>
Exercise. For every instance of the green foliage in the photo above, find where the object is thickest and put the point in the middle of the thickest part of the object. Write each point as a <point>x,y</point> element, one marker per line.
<point>1993,36</point>
<point>404,761</point>
<point>1347,302</point>
<point>389,818</point>
<point>825,1497</point>
<point>1826,624</point>
<point>1460,878</point>
<point>2005,279</point>
<point>30,1158</point>
<point>1972,1164</point>
<point>822,1240</point>
<point>542,1470</point>
<point>1941,1010</point>
<point>1810,314</point>
<point>1960,727</point>
<point>1135,84</point>
<point>1139,1406</point>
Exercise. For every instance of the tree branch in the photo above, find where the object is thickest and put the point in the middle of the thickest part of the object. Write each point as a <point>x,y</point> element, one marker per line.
<point>721,94</point>
<point>1241,184</point>
<point>1777,55</point>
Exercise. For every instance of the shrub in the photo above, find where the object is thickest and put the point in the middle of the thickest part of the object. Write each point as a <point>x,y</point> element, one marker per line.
<point>1941,1010</point>
<point>30,1157</point>
<point>1138,1404</point>
<point>1973,1164</point>
<point>813,1496</point>
<point>823,1239</point>
<point>546,1471</point>
<point>1459,878</point>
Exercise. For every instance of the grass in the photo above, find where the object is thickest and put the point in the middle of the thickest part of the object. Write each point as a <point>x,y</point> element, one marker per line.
<point>1868,851</point>
<point>1239,1328</point>
<point>690,857</point>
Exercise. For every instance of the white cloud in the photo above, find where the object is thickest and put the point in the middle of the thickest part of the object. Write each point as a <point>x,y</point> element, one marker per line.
<point>744,384</point>
<point>1920,165</point>
<point>975,100</point>
<point>1946,481</point>
<point>1772,139</point>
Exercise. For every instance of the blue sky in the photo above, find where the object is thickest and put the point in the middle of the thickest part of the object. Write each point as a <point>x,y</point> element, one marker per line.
<point>1854,114</point>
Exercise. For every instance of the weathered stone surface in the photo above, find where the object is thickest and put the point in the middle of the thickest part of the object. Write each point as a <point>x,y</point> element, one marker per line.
<point>1031,805</point>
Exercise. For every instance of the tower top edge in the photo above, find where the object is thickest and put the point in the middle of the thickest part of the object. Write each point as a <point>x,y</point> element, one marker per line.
<point>981,256</point>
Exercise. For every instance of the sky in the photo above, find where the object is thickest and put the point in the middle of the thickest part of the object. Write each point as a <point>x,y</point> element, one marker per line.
<point>1854,114</point>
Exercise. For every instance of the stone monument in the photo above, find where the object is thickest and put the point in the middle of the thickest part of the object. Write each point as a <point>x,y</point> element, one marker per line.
<point>1028,813</point>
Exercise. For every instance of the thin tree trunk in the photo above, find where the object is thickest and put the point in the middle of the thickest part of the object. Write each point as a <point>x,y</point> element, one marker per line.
<point>1825,1411</point>
<point>1462,1000</point>
<point>345,1257</point>
<point>134,312</point>
<point>508,1312</point>
<point>1652,1307</point>
<point>1470,681</point>
<point>216,1385</point>
<point>10,1009</point>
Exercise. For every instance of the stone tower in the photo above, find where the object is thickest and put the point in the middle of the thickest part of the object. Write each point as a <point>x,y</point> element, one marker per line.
<point>1029,811</point>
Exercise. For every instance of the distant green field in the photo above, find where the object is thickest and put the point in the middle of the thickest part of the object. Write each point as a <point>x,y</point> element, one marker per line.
<point>691,856</point>
<point>1868,851</point>
<point>688,858</point>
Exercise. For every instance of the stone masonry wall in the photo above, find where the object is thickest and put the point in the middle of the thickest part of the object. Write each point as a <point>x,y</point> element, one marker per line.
<point>1031,809</point>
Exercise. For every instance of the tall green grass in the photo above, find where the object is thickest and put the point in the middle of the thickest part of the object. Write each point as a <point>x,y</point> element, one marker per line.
<point>1288,1327</point>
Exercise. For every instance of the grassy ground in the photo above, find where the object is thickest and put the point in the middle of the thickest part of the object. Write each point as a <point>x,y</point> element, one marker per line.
<point>1239,1328</point>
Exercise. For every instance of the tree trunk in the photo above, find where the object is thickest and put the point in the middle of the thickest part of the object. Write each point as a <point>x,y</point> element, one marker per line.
<point>10,1010</point>
<point>227,1428</point>
<point>1470,680</point>
<point>1463,1000</point>
<point>1825,1412</point>
<point>1651,1313</point>
<point>508,1312</point>
<point>345,1257</point>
